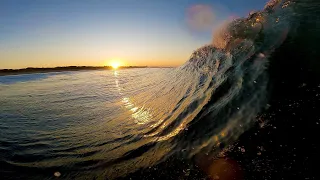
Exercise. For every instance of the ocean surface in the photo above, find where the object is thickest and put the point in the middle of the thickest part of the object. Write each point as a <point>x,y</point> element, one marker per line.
<point>239,98</point>
<point>78,120</point>
<point>106,123</point>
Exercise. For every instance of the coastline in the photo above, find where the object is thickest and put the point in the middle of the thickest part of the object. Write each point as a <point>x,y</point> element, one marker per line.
<point>7,72</point>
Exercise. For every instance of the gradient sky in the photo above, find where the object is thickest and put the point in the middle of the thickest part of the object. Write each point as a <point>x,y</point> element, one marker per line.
<point>38,33</point>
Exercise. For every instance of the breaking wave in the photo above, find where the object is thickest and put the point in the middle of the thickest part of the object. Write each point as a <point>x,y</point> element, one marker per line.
<point>207,102</point>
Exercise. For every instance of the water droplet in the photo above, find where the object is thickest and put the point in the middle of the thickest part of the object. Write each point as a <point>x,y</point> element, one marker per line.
<point>57,174</point>
<point>302,85</point>
<point>187,173</point>
<point>261,55</point>
<point>243,150</point>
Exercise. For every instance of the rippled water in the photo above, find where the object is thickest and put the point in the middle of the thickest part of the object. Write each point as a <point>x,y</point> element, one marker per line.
<point>97,124</point>
<point>75,120</point>
<point>107,124</point>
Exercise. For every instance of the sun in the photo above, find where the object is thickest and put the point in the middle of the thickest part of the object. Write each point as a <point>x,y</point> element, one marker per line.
<point>115,64</point>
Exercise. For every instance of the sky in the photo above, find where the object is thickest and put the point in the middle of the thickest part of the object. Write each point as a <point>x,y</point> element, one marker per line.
<point>37,33</point>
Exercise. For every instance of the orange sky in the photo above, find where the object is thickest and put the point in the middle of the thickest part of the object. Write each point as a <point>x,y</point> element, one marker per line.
<point>50,35</point>
<point>95,33</point>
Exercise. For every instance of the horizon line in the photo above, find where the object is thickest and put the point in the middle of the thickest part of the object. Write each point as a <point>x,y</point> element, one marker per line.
<point>85,67</point>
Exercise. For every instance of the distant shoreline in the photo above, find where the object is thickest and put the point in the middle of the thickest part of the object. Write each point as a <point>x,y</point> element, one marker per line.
<point>6,72</point>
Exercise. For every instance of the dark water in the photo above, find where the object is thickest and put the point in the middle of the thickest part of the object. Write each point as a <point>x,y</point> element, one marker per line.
<point>246,104</point>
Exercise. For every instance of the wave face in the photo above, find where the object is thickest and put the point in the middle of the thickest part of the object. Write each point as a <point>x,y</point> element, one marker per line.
<point>121,121</point>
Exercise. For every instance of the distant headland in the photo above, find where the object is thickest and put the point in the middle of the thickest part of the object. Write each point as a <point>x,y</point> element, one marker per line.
<point>29,70</point>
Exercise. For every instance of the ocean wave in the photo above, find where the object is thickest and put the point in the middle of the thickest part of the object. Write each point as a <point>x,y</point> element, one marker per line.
<point>216,95</point>
<point>205,104</point>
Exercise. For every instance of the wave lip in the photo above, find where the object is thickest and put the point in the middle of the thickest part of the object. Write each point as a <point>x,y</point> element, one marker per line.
<point>192,109</point>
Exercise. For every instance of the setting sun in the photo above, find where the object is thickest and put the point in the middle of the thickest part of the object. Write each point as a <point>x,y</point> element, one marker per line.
<point>115,65</point>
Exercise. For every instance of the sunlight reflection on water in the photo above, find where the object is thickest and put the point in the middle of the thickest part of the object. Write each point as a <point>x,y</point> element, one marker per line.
<point>140,114</point>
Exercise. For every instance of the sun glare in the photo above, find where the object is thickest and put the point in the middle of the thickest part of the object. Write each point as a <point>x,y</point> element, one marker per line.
<point>115,65</point>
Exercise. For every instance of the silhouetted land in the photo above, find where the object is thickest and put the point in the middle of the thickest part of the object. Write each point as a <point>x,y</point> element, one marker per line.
<point>4,72</point>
